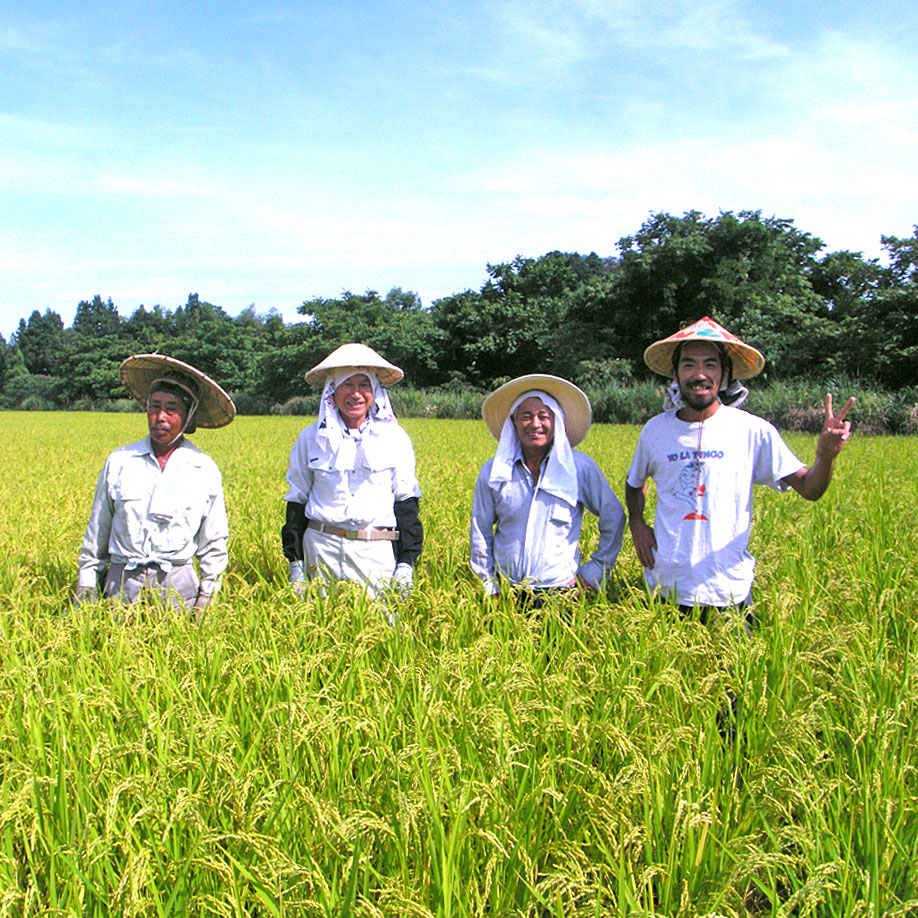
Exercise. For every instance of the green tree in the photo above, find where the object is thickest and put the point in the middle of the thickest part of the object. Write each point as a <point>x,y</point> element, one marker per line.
<point>207,338</point>
<point>149,330</point>
<point>94,347</point>
<point>40,341</point>
<point>892,316</point>
<point>397,326</point>
<point>6,358</point>
<point>519,322</point>
<point>750,273</point>
<point>95,319</point>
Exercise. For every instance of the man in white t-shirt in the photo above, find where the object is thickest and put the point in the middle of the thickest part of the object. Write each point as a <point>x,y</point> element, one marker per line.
<point>704,455</point>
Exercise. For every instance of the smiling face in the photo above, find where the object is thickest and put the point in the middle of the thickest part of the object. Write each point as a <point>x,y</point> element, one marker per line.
<point>699,372</point>
<point>535,426</point>
<point>353,399</point>
<point>166,416</point>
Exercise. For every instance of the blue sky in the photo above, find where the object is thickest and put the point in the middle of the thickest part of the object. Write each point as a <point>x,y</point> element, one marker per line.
<point>268,153</point>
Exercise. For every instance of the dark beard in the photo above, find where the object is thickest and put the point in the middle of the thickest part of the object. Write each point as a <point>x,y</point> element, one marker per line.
<point>697,401</point>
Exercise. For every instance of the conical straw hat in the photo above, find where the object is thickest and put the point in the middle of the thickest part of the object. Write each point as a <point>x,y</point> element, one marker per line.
<point>138,373</point>
<point>357,357</point>
<point>746,360</point>
<point>573,401</point>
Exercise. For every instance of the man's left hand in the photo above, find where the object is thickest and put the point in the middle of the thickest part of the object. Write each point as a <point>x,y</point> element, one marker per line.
<point>201,605</point>
<point>403,579</point>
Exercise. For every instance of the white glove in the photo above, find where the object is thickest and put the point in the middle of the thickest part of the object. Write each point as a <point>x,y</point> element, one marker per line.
<point>203,600</point>
<point>403,579</point>
<point>297,578</point>
<point>85,594</point>
<point>201,604</point>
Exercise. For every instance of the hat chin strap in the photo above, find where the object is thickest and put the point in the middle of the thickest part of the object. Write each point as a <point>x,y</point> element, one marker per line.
<point>172,381</point>
<point>181,433</point>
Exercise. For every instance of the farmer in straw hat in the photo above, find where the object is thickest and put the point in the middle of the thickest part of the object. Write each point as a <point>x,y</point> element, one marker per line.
<point>352,503</point>
<point>705,454</point>
<point>159,502</point>
<point>529,498</point>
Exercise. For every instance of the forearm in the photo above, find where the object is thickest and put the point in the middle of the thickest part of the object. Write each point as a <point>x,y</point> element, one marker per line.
<point>608,509</point>
<point>94,553</point>
<point>642,535</point>
<point>212,560</point>
<point>481,556</point>
<point>410,531</point>
<point>813,482</point>
<point>481,535</point>
<point>293,530</point>
<point>635,501</point>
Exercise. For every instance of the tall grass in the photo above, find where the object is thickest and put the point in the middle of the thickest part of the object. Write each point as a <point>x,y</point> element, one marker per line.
<point>794,404</point>
<point>294,758</point>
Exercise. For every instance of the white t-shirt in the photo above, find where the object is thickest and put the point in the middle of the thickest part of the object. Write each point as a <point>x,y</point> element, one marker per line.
<point>704,473</point>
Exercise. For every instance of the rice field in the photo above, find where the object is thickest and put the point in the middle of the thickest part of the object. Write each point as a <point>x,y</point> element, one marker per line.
<point>305,758</point>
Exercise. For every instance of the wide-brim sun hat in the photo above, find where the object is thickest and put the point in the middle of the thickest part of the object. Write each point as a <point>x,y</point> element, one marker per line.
<point>357,357</point>
<point>578,415</point>
<point>746,360</point>
<point>138,373</point>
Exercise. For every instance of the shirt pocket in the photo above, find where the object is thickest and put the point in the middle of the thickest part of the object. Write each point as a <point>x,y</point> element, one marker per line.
<point>561,516</point>
<point>558,534</point>
<point>186,506</point>
<point>129,500</point>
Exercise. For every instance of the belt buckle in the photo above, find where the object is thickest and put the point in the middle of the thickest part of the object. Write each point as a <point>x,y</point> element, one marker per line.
<point>350,534</point>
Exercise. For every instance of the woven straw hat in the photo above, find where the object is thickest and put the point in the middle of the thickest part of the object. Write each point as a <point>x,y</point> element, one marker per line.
<point>357,357</point>
<point>746,360</point>
<point>573,401</point>
<point>215,407</point>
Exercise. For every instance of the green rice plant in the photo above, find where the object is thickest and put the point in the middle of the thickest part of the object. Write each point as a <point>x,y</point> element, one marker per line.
<point>300,757</point>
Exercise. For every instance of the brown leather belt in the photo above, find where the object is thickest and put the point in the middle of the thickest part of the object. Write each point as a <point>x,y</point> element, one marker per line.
<point>364,535</point>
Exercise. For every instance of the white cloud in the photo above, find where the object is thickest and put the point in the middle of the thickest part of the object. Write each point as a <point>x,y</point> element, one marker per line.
<point>565,34</point>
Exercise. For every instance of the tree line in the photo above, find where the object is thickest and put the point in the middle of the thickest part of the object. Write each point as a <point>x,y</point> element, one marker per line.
<point>585,317</point>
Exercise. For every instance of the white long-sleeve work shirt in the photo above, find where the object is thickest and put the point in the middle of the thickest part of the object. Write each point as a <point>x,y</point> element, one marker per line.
<point>142,514</point>
<point>357,498</point>
<point>525,534</point>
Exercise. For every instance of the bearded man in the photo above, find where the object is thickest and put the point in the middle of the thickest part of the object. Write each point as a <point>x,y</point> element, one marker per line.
<point>704,455</point>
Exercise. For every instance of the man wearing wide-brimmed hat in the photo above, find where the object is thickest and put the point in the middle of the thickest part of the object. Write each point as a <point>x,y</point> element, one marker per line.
<point>159,506</point>
<point>704,455</point>
<point>352,503</point>
<point>529,499</point>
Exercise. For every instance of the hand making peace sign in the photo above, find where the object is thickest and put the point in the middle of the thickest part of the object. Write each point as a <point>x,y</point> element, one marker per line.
<point>835,430</point>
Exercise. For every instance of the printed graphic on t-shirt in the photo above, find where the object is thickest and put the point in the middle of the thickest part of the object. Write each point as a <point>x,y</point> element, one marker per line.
<point>692,489</point>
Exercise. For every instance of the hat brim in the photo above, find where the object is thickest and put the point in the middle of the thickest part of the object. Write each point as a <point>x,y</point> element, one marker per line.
<point>745,360</point>
<point>138,373</point>
<point>356,357</point>
<point>578,415</point>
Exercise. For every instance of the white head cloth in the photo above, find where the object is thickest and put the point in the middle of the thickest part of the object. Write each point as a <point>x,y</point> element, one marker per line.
<point>559,477</point>
<point>337,444</point>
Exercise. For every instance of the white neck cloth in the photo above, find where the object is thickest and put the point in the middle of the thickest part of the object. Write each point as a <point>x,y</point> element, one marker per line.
<point>559,475</point>
<point>733,393</point>
<point>338,446</point>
